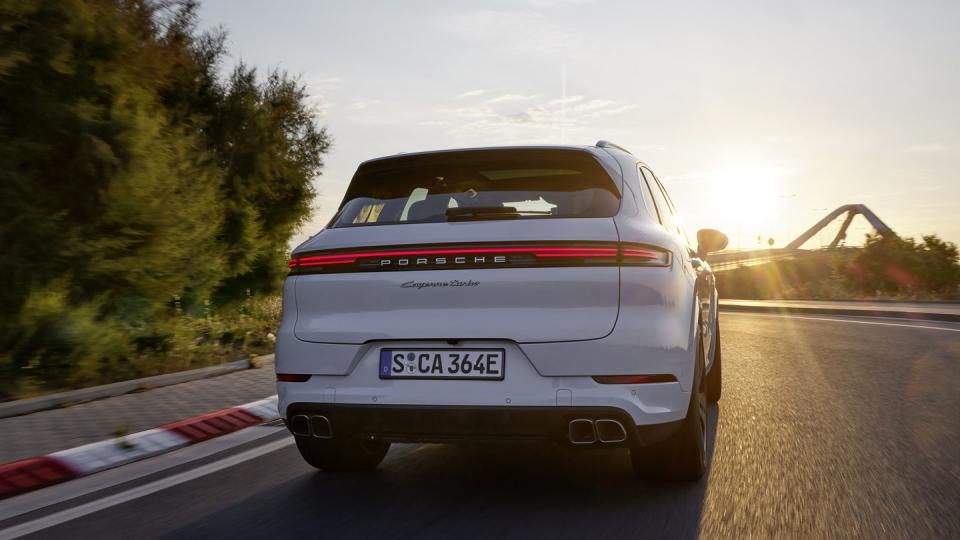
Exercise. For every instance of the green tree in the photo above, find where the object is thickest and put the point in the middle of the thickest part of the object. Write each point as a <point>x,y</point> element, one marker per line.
<point>131,175</point>
<point>886,264</point>
<point>893,265</point>
<point>266,143</point>
<point>269,149</point>
<point>940,266</point>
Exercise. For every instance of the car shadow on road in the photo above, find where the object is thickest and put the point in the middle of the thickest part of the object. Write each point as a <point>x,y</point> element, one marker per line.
<point>484,491</point>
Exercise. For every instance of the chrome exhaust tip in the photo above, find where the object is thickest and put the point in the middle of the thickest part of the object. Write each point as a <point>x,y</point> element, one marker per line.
<point>320,427</point>
<point>610,431</point>
<point>581,431</point>
<point>300,425</point>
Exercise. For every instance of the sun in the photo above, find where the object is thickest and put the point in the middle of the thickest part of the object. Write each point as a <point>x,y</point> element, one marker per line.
<point>749,199</point>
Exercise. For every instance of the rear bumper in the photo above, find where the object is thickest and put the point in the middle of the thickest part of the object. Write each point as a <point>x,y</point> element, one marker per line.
<point>522,387</point>
<point>398,423</point>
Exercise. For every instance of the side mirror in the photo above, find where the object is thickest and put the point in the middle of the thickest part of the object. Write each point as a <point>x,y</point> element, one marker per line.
<point>710,240</point>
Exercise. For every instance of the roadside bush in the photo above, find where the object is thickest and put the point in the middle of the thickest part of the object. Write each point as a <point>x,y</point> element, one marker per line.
<point>895,266</point>
<point>808,277</point>
<point>886,267</point>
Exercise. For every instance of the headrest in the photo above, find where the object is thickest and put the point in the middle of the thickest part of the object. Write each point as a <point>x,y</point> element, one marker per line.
<point>429,208</point>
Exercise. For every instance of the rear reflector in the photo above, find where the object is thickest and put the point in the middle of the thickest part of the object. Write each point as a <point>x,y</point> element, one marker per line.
<point>497,255</point>
<point>634,379</point>
<point>292,377</point>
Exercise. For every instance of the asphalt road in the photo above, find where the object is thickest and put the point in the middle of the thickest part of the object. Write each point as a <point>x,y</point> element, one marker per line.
<point>827,427</point>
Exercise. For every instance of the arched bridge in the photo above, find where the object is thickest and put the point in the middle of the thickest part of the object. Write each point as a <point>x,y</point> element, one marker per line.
<point>732,259</point>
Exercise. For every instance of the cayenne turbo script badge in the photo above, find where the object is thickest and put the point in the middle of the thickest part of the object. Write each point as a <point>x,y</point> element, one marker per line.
<point>451,283</point>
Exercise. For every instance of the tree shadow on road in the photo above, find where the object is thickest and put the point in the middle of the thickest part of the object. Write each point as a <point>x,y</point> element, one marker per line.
<point>482,491</point>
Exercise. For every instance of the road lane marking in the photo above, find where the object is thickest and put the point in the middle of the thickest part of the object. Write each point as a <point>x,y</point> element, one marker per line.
<point>79,511</point>
<point>843,320</point>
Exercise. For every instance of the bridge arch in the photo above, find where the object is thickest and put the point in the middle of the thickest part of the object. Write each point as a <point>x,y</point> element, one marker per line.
<point>852,210</point>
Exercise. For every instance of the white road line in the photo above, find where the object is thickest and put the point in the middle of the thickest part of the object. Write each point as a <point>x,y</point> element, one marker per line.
<point>68,492</point>
<point>70,514</point>
<point>840,320</point>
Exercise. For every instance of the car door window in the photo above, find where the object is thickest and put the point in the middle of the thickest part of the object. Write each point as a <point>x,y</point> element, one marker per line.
<point>668,212</point>
<point>663,208</point>
<point>646,198</point>
<point>677,219</point>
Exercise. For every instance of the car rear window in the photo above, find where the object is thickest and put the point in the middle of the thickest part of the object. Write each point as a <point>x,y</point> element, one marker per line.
<point>478,185</point>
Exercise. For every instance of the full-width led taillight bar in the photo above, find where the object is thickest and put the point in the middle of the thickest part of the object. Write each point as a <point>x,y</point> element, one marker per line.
<point>499,255</point>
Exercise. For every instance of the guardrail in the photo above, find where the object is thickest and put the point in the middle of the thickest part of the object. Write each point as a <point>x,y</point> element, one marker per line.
<point>729,260</point>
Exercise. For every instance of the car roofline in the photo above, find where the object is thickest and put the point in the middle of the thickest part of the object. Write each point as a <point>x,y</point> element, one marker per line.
<point>593,150</point>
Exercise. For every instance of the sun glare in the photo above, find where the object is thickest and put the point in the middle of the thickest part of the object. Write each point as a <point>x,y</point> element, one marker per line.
<point>750,199</point>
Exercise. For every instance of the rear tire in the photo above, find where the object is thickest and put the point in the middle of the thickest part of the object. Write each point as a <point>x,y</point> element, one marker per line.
<point>339,454</point>
<point>682,456</point>
<point>715,377</point>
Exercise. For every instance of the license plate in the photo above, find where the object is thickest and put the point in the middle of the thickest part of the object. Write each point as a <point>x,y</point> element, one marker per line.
<point>442,364</point>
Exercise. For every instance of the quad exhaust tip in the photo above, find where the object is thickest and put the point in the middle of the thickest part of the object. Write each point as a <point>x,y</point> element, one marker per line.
<point>582,431</point>
<point>318,426</point>
<point>610,431</point>
<point>300,425</point>
<point>605,430</point>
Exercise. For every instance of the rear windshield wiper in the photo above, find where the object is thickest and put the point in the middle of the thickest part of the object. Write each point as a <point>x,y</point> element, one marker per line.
<point>491,212</point>
<point>482,212</point>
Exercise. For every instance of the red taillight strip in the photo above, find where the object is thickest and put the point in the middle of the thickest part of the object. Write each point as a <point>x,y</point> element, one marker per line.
<point>321,261</point>
<point>467,251</point>
<point>539,251</point>
<point>610,253</point>
<point>642,253</point>
<point>573,253</point>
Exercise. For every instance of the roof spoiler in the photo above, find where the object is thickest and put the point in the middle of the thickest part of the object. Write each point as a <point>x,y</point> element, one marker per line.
<point>608,144</point>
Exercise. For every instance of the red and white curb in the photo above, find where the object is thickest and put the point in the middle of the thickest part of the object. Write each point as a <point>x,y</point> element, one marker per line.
<point>35,473</point>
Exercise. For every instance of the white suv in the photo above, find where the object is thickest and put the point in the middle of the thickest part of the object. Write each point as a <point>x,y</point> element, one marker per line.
<point>521,293</point>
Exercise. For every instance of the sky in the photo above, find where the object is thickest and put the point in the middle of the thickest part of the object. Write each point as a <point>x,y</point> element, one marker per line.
<point>759,117</point>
